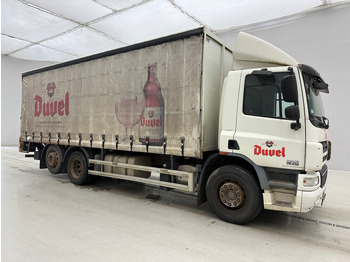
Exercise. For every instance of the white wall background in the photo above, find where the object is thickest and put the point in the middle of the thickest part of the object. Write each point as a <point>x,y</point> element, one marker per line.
<point>11,95</point>
<point>320,39</point>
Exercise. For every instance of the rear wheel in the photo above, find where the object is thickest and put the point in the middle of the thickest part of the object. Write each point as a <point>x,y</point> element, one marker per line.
<point>53,158</point>
<point>234,194</point>
<point>77,168</point>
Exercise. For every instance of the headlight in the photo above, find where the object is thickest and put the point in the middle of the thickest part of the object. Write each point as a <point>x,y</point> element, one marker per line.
<point>311,181</point>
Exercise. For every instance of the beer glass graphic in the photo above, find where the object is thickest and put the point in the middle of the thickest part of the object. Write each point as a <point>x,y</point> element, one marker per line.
<point>129,110</point>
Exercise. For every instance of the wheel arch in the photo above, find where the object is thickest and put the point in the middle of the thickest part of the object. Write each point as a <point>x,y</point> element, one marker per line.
<point>216,160</point>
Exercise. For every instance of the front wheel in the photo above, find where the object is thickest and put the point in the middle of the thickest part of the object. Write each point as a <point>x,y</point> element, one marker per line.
<point>77,169</point>
<point>234,194</point>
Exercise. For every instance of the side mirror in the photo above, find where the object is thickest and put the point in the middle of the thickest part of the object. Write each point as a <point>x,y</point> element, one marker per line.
<point>293,113</point>
<point>289,89</point>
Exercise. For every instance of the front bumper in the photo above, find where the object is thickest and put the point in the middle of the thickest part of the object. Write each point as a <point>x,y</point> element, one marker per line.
<point>313,198</point>
<point>300,200</point>
<point>318,196</point>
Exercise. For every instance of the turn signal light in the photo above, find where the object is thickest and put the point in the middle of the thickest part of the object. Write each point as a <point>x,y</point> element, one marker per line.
<point>311,181</point>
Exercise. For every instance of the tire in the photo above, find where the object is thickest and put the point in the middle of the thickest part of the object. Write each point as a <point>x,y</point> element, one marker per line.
<point>77,169</point>
<point>234,194</point>
<point>53,159</point>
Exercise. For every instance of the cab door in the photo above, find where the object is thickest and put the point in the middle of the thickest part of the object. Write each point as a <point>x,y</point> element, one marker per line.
<point>263,132</point>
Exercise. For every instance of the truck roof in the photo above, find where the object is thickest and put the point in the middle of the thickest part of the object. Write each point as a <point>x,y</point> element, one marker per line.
<point>157,41</point>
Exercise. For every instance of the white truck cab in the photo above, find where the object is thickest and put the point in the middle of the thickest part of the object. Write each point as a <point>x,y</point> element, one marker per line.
<point>272,116</point>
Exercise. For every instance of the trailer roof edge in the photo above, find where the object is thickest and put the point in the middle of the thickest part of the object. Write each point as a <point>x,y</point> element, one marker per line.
<point>157,41</point>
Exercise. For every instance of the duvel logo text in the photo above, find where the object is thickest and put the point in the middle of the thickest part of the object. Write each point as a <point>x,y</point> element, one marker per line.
<point>51,108</point>
<point>269,152</point>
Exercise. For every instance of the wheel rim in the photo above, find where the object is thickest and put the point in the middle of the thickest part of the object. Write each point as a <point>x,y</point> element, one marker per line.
<point>52,159</point>
<point>232,195</point>
<point>76,168</point>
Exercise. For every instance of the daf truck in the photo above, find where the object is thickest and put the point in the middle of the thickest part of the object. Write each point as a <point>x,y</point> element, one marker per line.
<point>243,129</point>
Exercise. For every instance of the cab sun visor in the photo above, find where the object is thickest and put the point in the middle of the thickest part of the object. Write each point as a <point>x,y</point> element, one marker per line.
<point>319,84</point>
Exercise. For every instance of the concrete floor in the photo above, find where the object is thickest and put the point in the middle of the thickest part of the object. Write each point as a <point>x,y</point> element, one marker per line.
<point>46,218</point>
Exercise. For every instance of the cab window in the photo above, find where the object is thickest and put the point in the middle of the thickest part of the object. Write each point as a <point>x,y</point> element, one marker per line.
<point>263,97</point>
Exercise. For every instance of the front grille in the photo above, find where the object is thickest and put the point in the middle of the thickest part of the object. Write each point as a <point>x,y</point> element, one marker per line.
<point>324,173</point>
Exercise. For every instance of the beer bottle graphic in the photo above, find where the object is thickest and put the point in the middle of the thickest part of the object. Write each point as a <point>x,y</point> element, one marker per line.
<point>152,121</point>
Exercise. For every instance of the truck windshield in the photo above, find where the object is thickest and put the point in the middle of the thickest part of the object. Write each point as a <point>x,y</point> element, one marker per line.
<point>314,100</point>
